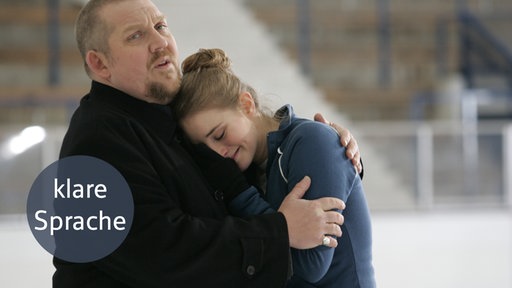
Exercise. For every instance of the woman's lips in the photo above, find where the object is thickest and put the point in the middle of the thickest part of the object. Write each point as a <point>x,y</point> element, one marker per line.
<point>235,155</point>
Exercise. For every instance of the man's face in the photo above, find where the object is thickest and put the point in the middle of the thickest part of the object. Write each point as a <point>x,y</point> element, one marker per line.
<point>143,58</point>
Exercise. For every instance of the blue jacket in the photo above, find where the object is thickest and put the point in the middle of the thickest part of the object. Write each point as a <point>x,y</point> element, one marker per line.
<point>303,147</point>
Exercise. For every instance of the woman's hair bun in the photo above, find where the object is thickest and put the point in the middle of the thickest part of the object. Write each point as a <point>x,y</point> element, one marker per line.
<point>206,58</point>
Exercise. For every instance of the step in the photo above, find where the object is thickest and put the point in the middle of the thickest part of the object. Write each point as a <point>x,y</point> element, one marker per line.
<point>35,14</point>
<point>372,103</point>
<point>34,76</point>
<point>39,56</point>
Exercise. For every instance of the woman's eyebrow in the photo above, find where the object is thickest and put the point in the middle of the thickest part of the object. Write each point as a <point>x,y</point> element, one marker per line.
<point>212,130</point>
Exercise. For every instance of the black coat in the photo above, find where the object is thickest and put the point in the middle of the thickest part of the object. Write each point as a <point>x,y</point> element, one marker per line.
<point>181,235</point>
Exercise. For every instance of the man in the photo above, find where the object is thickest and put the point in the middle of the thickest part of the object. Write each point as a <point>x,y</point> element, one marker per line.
<point>181,235</point>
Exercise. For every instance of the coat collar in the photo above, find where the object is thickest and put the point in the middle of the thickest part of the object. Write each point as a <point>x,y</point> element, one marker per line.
<point>285,115</point>
<point>155,117</point>
<point>275,138</point>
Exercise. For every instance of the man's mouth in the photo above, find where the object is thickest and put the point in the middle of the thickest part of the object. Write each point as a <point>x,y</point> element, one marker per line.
<point>163,64</point>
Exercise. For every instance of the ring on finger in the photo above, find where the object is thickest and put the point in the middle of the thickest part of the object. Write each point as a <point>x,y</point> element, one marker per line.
<point>326,241</point>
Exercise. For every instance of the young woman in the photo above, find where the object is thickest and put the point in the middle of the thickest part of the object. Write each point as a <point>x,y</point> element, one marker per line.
<point>216,108</point>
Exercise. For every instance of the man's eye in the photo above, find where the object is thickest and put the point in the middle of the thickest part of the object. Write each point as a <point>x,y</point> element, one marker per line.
<point>161,26</point>
<point>135,36</point>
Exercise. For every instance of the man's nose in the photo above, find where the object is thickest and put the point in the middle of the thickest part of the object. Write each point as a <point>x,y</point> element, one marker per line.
<point>158,42</point>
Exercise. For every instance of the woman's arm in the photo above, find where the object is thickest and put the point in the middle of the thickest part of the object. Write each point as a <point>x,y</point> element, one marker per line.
<point>313,150</point>
<point>305,219</point>
<point>248,203</point>
<point>347,140</point>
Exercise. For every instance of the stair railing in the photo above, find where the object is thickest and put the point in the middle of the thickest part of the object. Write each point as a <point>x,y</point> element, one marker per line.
<point>481,52</point>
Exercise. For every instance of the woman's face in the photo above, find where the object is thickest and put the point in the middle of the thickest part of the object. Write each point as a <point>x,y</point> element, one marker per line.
<point>229,132</point>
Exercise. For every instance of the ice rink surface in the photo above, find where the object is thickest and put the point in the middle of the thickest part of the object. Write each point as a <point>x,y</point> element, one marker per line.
<point>411,250</point>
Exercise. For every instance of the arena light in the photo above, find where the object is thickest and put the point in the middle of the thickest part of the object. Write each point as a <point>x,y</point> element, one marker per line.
<point>27,138</point>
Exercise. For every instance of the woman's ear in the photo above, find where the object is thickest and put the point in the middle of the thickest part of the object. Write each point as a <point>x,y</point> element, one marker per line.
<point>98,64</point>
<point>246,103</point>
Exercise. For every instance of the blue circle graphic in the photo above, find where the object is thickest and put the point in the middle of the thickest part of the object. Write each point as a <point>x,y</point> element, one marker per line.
<point>80,209</point>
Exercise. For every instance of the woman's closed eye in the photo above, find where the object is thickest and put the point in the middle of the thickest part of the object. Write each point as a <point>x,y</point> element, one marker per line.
<point>219,136</point>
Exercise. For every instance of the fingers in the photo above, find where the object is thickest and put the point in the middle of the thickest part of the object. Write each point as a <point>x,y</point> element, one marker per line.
<point>320,118</point>
<point>356,161</point>
<point>333,243</point>
<point>358,164</point>
<point>346,139</point>
<point>333,218</point>
<point>300,188</point>
<point>345,135</point>
<point>332,230</point>
<point>330,203</point>
<point>351,147</point>
<point>352,153</point>
<point>309,220</point>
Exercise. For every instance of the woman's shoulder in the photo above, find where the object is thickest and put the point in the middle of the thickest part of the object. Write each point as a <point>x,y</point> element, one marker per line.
<point>313,129</point>
<point>315,137</point>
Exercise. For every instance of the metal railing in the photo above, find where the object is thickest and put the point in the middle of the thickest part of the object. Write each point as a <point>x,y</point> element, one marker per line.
<point>429,158</point>
<point>434,165</point>
<point>481,52</point>
<point>53,43</point>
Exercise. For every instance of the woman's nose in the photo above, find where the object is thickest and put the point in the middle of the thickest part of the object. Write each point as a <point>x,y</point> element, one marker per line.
<point>222,150</point>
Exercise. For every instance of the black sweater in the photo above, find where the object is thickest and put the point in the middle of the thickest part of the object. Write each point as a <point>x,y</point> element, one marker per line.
<point>181,235</point>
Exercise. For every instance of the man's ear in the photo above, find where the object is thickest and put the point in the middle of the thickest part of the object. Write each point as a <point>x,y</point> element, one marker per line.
<point>246,103</point>
<point>98,64</point>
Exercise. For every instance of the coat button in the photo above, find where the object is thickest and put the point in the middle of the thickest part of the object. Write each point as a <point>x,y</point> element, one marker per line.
<point>251,270</point>
<point>218,195</point>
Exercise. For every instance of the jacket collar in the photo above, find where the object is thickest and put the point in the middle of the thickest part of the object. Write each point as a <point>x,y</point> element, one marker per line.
<point>155,117</point>
<point>285,115</point>
<point>275,138</point>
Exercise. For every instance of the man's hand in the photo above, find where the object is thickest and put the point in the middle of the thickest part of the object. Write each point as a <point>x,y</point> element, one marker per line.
<point>310,220</point>
<point>346,141</point>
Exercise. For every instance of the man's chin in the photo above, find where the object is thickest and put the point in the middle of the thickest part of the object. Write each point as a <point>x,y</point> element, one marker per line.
<point>160,93</point>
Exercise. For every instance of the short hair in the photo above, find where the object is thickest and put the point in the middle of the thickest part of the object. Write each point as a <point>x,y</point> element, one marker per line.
<point>91,30</point>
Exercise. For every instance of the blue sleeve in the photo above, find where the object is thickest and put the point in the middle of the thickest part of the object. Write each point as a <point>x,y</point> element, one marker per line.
<point>249,203</point>
<point>315,151</point>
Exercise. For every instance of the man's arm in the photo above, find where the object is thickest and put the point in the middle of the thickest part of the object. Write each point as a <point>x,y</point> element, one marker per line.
<point>310,220</point>
<point>307,220</point>
<point>174,239</point>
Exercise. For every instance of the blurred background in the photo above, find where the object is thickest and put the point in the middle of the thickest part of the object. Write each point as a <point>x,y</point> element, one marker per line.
<point>424,86</point>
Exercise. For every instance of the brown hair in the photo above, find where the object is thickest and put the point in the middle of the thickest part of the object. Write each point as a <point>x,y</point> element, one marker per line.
<point>208,82</point>
<point>91,30</point>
